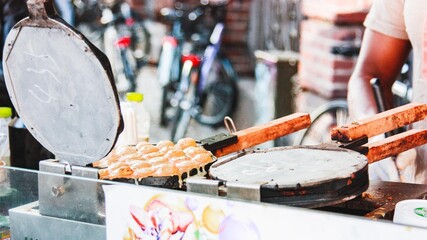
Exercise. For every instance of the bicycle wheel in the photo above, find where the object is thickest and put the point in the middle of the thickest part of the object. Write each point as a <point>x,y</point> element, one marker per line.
<point>219,96</point>
<point>323,119</point>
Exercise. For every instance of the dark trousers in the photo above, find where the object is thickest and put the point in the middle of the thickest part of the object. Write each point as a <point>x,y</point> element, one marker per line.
<point>12,11</point>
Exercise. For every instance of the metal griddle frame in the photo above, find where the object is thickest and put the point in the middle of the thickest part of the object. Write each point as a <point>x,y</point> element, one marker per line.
<point>318,195</point>
<point>353,136</point>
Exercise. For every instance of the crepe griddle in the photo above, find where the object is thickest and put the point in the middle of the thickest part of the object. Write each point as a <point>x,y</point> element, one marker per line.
<point>61,86</point>
<point>326,174</point>
<point>223,144</point>
<point>299,176</point>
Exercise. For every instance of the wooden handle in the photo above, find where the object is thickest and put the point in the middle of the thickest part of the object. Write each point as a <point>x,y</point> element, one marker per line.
<point>395,144</point>
<point>277,128</point>
<point>380,123</point>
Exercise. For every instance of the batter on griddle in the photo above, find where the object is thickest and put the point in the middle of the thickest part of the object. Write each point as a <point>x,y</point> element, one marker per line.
<point>290,166</point>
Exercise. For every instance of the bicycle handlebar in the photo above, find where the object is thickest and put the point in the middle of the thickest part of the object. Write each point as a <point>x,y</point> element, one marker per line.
<point>379,100</point>
<point>402,90</point>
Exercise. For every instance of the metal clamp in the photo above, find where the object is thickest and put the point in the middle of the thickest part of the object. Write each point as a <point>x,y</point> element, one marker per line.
<point>202,185</point>
<point>244,191</point>
<point>221,140</point>
<point>235,190</point>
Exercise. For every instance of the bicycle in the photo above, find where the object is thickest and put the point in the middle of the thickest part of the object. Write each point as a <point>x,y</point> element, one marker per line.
<point>126,43</point>
<point>206,89</point>
<point>188,33</point>
<point>169,64</point>
<point>122,36</point>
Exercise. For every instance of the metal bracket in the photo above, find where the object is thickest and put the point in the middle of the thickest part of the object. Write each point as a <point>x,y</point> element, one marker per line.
<point>221,140</point>
<point>357,145</point>
<point>218,141</point>
<point>70,198</point>
<point>84,172</point>
<point>202,185</point>
<point>52,166</point>
<point>235,190</point>
<point>244,191</point>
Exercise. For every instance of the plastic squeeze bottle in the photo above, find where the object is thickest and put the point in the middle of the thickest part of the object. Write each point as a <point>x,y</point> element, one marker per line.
<point>129,134</point>
<point>142,115</point>
<point>5,118</point>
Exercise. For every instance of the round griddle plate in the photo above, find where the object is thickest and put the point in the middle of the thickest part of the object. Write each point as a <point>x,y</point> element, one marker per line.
<point>61,87</point>
<point>311,176</point>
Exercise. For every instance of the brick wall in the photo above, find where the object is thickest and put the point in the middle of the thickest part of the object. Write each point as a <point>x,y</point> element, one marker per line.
<point>235,38</point>
<point>322,74</point>
<point>321,69</point>
<point>337,11</point>
<point>331,26</point>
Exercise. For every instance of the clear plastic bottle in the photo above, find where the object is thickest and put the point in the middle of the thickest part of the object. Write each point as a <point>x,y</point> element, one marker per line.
<point>5,118</point>
<point>142,115</point>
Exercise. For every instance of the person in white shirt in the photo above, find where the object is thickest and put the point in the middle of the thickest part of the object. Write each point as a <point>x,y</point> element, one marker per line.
<point>393,29</point>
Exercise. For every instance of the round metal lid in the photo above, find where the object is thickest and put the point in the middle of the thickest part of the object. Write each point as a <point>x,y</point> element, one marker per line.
<point>291,167</point>
<point>306,176</point>
<point>61,87</point>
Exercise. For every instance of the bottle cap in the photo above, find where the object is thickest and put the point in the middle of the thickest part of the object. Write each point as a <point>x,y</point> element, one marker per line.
<point>5,112</point>
<point>134,97</point>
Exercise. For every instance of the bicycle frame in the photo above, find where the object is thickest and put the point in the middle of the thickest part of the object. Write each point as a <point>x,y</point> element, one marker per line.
<point>120,44</point>
<point>185,95</point>
<point>206,87</point>
<point>189,78</point>
<point>210,54</point>
<point>109,18</point>
<point>172,45</point>
<point>203,64</point>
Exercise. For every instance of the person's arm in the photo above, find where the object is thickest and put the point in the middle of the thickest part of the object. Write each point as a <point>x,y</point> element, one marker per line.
<point>380,57</point>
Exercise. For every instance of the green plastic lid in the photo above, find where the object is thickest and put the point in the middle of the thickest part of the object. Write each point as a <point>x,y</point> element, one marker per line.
<point>5,112</point>
<point>134,97</point>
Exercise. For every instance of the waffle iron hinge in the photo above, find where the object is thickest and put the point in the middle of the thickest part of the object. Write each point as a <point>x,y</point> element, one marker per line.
<point>356,145</point>
<point>218,141</point>
<point>69,198</point>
